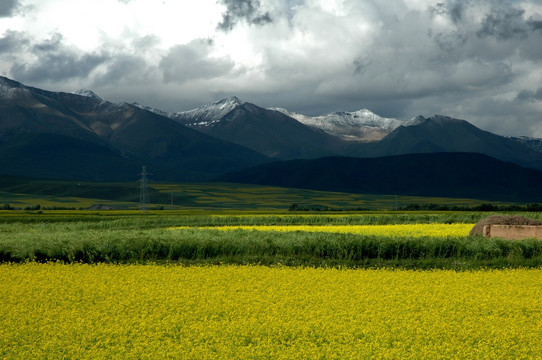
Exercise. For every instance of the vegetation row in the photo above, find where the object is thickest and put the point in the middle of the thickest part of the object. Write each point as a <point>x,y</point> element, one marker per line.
<point>79,242</point>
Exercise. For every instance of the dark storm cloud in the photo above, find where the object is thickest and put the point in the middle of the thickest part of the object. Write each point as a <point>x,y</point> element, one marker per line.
<point>535,24</point>
<point>505,23</point>
<point>123,67</point>
<point>468,59</point>
<point>456,11</point>
<point>527,95</point>
<point>242,10</point>
<point>192,61</point>
<point>453,9</point>
<point>57,67</point>
<point>49,45</point>
<point>8,7</point>
<point>13,41</point>
<point>54,61</point>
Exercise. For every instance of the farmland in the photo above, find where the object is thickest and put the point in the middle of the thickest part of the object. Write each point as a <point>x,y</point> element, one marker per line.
<point>109,311</point>
<point>265,285</point>
<point>28,193</point>
<point>373,239</point>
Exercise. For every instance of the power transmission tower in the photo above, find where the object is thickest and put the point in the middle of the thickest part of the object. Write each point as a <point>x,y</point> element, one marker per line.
<point>143,190</point>
<point>171,197</point>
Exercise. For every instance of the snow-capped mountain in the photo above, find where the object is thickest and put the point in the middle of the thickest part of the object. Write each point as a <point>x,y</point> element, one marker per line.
<point>205,115</point>
<point>209,114</point>
<point>268,132</point>
<point>87,93</point>
<point>361,125</point>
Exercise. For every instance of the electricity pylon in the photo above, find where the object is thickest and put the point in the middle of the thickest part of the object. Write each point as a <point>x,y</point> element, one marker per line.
<point>143,190</point>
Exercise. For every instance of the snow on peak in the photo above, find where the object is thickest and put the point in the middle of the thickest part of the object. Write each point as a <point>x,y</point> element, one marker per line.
<point>435,119</point>
<point>361,125</point>
<point>87,93</point>
<point>10,88</point>
<point>153,110</point>
<point>233,101</point>
<point>416,121</point>
<point>209,114</point>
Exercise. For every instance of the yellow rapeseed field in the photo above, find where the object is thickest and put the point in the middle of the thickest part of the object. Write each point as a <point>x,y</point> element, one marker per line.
<point>394,230</point>
<point>77,311</point>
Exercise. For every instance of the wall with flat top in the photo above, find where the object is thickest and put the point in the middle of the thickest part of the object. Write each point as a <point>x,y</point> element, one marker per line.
<point>513,232</point>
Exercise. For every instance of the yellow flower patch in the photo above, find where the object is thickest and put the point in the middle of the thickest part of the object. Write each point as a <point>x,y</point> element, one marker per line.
<point>398,230</point>
<point>55,311</point>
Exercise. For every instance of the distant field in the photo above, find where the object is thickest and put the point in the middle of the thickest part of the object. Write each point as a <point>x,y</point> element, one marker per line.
<point>27,193</point>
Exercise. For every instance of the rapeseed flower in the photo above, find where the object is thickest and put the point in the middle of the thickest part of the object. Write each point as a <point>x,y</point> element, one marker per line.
<point>253,312</point>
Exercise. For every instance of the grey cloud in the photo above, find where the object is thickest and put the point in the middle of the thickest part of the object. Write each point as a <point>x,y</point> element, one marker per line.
<point>13,41</point>
<point>453,9</point>
<point>243,10</point>
<point>535,24</point>
<point>8,8</point>
<point>527,95</point>
<point>54,61</point>
<point>122,67</point>
<point>192,61</point>
<point>49,59</point>
<point>504,23</point>
<point>145,42</point>
<point>52,44</point>
<point>58,67</point>
<point>456,11</point>
<point>361,63</point>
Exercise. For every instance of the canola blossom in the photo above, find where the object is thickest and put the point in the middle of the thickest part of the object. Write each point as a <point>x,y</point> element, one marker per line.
<point>394,230</point>
<point>106,311</point>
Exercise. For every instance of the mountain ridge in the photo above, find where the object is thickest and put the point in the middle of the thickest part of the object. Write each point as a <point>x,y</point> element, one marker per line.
<point>268,132</point>
<point>440,133</point>
<point>81,136</point>
<point>460,175</point>
<point>361,125</point>
<point>34,122</point>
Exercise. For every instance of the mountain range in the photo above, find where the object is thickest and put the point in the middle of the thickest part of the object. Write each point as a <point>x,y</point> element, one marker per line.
<point>276,134</point>
<point>82,136</point>
<point>73,136</point>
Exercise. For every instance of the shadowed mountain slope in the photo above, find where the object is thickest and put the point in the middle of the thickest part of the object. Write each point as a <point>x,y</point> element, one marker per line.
<point>445,134</point>
<point>69,136</point>
<point>462,175</point>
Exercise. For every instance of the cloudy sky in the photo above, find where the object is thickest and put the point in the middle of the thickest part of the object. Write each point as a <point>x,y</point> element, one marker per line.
<point>478,60</point>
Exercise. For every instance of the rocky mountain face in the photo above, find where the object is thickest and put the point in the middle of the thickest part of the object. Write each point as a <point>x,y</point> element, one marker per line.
<point>55,134</point>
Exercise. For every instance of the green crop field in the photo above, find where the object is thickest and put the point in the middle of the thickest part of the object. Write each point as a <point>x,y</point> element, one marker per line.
<point>267,284</point>
<point>382,239</point>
